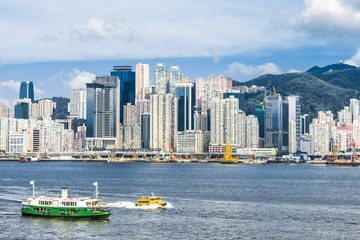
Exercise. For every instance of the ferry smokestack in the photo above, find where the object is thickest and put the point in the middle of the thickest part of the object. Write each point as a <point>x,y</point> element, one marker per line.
<point>64,193</point>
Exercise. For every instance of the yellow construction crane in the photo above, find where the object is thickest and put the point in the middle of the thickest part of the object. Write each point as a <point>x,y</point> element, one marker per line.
<point>263,103</point>
<point>274,90</point>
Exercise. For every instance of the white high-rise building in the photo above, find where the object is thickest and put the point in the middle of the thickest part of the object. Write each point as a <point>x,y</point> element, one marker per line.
<point>46,108</point>
<point>354,108</point>
<point>292,136</point>
<point>77,104</point>
<point>220,83</point>
<point>344,117</point>
<point>252,132</point>
<point>163,121</point>
<point>224,115</point>
<point>161,79</point>
<point>320,131</point>
<point>175,77</point>
<point>294,115</point>
<point>142,80</point>
<point>242,129</point>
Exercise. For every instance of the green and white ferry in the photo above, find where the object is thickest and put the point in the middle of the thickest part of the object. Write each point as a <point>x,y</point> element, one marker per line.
<point>65,207</point>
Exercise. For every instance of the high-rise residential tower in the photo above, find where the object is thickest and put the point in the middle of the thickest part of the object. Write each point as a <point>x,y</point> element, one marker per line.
<point>161,80</point>
<point>27,90</point>
<point>174,78</point>
<point>142,79</point>
<point>77,104</point>
<point>163,121</point>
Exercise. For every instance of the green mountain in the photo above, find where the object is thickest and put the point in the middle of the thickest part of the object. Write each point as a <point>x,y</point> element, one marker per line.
<point>318,91</point>
<point>329,68</point>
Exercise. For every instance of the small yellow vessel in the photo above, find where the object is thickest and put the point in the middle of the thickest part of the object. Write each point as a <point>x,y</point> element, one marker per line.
<point>146,201</point>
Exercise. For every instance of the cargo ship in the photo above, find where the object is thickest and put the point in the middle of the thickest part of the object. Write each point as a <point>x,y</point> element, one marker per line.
<point>64,207</point>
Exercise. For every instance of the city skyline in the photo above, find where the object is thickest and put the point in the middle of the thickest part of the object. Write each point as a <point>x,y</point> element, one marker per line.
<point>241,41</point>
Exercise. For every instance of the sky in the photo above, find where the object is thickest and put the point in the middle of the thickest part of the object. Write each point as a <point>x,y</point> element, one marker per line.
<point>61,44</point>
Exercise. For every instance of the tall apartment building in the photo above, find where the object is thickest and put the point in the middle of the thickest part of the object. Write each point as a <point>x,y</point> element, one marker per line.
<point>161,79</point>
<point>175,77</point>
<point>77,104</point>
<point>3,110</point>
<point>220,83</point>
<point>252,132</point>
<point>355,108</point>
<point>163,121</point>
<point>294,115</point>
<point>131,115</point>
<point>142,80</point>
<point>224,120</point>
<point>320,131</point>
<point>344,117</point>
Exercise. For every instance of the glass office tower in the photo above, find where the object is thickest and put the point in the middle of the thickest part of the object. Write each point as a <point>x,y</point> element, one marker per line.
<point>27,90</point>
<point>185,94</point>
<point>101,107</point>
<point>127,86</point>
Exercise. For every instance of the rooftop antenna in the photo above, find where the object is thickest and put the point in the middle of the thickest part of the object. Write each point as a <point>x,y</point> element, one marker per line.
<point>33,184</point>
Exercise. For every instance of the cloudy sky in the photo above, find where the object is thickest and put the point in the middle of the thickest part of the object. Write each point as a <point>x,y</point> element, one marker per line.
<point>60,45</point>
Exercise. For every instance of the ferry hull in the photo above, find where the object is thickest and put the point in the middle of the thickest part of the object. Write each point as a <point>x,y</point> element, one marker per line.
<point>104,215</point>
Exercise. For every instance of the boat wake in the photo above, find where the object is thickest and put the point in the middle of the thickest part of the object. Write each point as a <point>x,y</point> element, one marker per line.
<point>131,205</point>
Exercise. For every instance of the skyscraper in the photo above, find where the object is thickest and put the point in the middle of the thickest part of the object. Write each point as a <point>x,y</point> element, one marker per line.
<point>163,121</point>
<point>126,84</point>
<point>145,130</point>
<point>101,107</point>
<point>161,80</point>
<point>174,78</point>
<point>273,122</point>
<point>185,93</point>
<point>142,79</point>
<point>27,90</point>
<point>77,104</point>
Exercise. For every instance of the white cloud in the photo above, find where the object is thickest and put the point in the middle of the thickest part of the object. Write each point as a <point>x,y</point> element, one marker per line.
<point>354,60</point>
<point>96,29</point>
<point>251,70</point>
<point>330,16</point>
<point>294,71</point>
<point>5,101</point>
<point>92,30</point>
<point>13,85</point>
<point>78,78</point>
<point>38,92</point>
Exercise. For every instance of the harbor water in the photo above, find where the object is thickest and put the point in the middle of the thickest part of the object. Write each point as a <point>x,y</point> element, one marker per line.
<point>206,201</point>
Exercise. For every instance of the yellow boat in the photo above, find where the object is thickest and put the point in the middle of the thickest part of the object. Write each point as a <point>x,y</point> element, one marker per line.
<point>146,201</point>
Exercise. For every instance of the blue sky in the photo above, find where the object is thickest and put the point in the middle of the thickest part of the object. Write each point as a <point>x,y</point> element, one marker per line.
<point>60,45</point>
